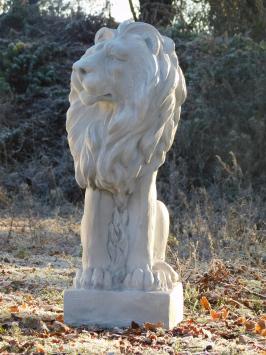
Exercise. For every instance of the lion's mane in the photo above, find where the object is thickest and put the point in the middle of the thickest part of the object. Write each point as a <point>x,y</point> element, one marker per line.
<point>113,146</point>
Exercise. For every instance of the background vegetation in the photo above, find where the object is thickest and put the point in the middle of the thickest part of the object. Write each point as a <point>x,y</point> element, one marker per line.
<point>213,181</point>
<point>218,160</point>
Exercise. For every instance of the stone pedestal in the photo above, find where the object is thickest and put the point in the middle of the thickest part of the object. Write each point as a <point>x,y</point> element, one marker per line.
<point>110,309</point>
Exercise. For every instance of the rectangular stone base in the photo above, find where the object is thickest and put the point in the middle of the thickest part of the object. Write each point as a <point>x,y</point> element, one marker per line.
<point>110,309</point>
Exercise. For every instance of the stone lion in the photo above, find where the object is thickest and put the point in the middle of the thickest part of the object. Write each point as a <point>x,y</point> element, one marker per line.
<point>126,93</point>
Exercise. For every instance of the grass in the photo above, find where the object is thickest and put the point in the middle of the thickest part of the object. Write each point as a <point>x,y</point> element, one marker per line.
<point>40,251</point>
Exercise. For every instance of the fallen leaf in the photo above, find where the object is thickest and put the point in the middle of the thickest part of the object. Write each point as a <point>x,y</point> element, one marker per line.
<point>225,313</point>
<point>40,349</point>
<point>262,323</point>
<point>27,344</point>
<point>263,333</point>
<point>153,326</point>
<point>59,327</point>
<point>153,337</point>
<point>240,321</point>
<point>215,315</point>
<point>189,329</point>
<point>135,325</point>
<point>218,315</point>
<point>60,318</point>
<point>258,329</point>
<point>34,323</point>
<point>23,307</point>
<point>250,325</point>
<point>13,309</point>
<point>205,303</point>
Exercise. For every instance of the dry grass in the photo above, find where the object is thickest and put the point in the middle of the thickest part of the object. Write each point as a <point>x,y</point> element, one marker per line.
<point>208,225</point>
<point>216,245</point>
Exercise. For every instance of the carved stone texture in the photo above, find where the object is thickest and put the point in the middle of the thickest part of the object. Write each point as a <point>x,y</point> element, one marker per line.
<point>125,99</point>
<point>119,308</point>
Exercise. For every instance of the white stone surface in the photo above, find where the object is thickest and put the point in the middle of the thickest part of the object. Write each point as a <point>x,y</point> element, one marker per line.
<point>126,93</point>
<point>125,103</point>
<point>119,308</point>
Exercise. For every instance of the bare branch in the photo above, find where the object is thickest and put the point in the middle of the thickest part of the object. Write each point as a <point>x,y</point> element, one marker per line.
<point>132,10</point>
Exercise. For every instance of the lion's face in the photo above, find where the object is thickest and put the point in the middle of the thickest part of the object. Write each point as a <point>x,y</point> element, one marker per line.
<point>126,93</point>
<point>114,70</point>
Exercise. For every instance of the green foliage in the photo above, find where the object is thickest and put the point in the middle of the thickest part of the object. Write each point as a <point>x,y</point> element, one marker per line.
<point>54,7</point>
<point>222,135</point>
<point>15,15</point>
<point>27,67</point>
<point>157,12</point>
<point>4,86</point>
<point>23,16</point>
<point>238,16</point>
<point>218,17</point>
<point>83,27</point>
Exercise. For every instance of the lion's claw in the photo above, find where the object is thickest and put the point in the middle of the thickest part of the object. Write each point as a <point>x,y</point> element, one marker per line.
<point>161,278</point>
<point>93,278</point>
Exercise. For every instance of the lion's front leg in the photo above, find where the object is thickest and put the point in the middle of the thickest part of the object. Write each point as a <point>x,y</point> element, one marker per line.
<point>142,220</point>
<point>94,230</point>
<point>146,268</point>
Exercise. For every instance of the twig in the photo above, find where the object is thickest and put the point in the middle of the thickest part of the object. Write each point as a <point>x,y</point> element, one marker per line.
<point>132,10</point>
<point>10,228</point>
<point>248,290</point>
<point>254,293</point>
<point>236,302</point>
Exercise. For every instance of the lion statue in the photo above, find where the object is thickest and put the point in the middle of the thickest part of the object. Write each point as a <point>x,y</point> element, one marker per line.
<point>126,93</point>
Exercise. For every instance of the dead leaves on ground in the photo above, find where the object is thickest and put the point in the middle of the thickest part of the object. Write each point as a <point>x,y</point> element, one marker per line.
<point>218,272</point>
<point>33,324</point>
<point>258,326</point>
<point>153,326</point>
<point>225,297</point>
<point>205,303</point>
<point>219,315</point>
<point>215,315</point>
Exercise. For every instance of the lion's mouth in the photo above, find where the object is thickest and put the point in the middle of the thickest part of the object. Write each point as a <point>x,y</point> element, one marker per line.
<point>88,99</point>
<point>107,97</point>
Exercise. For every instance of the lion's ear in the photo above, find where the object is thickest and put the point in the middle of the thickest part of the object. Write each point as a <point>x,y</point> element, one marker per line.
<point>104,34</point>
<point>149,34</point>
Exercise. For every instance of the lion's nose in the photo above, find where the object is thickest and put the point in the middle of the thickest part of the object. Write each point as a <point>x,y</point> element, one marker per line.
<point>81,68</point>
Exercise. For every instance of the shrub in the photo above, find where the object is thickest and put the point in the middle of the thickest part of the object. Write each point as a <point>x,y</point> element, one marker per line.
<point>221,138</point>
<point>225,112</point>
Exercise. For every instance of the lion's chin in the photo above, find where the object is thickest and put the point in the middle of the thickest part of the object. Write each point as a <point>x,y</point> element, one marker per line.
<point>88,100</point>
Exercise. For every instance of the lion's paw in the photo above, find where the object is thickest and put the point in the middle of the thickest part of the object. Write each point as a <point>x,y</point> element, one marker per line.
<point>93,278</point>
<point>162,277</point>
<point>165,274</point>
<point>140,279</point>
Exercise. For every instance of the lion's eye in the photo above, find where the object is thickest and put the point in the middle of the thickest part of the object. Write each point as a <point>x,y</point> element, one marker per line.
<point>117,57</point>
<point>115,54</point>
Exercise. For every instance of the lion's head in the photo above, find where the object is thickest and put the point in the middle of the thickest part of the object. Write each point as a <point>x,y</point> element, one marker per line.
<point>126,93</point>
